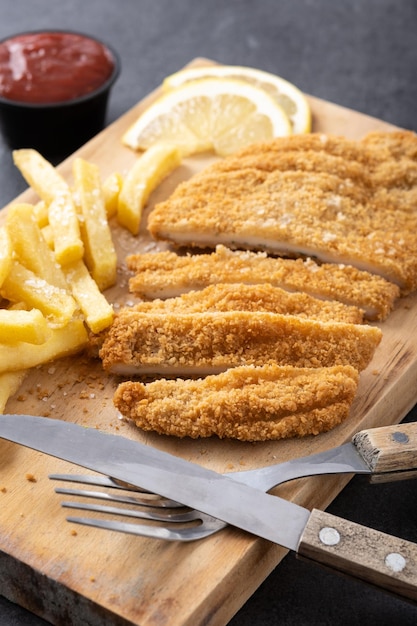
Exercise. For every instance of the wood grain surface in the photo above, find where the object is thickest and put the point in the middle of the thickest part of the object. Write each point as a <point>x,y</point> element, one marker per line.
<point>71,574</point>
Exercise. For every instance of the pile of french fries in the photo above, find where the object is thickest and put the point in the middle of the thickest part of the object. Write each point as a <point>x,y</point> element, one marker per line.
<point>57,257</point>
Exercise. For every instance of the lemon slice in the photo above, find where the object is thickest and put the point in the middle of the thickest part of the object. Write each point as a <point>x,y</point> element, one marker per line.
<point>291,99</point>
<point>216,114</point>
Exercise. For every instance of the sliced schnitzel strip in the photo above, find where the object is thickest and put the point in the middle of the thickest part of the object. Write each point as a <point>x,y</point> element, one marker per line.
<point>381,161</point>
<point>262,297</point>
<point>246,403</point>
<point>372,166</point>
<point>167,274</point>
<point>291,213</point>
<point>360,160</point>
<point>368,152</point>
<point>271,156</point>
<point>354,207</point>
<point>176,344</point>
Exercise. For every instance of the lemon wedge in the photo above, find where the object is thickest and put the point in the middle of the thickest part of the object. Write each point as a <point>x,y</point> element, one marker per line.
<point>209,114</point>
<point>291,99</point>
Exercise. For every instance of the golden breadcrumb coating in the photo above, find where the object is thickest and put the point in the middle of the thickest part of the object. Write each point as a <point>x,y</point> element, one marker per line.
<point>245,403</point>
<point>333,153</point>
<point>265,297</point>
<point>167,274</point>
<point>206,343</point>
<point>349,150</point>
<point>398,143</point>
<point>338,200</point>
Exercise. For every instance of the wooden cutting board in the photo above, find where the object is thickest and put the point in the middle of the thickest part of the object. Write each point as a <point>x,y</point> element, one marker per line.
<point>72,574</point>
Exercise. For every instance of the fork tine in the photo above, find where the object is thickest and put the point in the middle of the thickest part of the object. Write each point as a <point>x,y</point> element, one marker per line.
<point>165,516</point>
<point>192,533</point>
<point>105,481</point>
<point>97,481</point>
<point>103,495</point>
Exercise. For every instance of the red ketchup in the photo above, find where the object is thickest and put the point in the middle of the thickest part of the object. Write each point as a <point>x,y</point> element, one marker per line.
<point>44,68</point>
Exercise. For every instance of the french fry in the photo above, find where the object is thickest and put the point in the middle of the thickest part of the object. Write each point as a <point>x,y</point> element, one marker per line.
<point>18,325</point>
<point>143,177</point>
<point>48,235</point>
<point>111,190</point>
<point>54,191</point>
<point>30,246</point>
<point>99,252</point>
<point>97,311</point>
<point>40,212</point>
<point>6,254</point>
<point>63,219</point>
<point>22,285</point>
<point>39,174</point>
<point>63,341</point>
<point>9,384</point>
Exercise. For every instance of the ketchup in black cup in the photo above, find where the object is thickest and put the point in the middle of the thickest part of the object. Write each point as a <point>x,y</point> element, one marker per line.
<point>54,89</point>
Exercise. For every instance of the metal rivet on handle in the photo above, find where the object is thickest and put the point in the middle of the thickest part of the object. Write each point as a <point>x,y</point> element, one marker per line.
<point>400,437</point>
<point>329,536</point>
<point>395,562</point>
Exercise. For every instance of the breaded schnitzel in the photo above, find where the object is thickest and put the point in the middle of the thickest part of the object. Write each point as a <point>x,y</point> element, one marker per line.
<point>247,403</point>
<point>241,297</point>
<point>198,344</point>
<point>167,274</point>
<point>341,201</point>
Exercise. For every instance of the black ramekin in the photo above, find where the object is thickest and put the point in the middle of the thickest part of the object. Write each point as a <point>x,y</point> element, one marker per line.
<point>57,129</point>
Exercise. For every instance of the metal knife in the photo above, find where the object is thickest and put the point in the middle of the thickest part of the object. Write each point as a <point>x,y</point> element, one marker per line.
<point>367,554</point>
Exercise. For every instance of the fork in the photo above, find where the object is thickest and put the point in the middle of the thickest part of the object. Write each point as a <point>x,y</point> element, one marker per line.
<point>168,519</point>
<point>164,518</point>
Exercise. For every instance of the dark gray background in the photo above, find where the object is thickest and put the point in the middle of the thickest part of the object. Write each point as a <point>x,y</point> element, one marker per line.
<point>360,54</point>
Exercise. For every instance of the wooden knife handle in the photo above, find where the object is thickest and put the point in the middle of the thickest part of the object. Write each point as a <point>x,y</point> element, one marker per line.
<point>389,448</point>
<point>367,554</point>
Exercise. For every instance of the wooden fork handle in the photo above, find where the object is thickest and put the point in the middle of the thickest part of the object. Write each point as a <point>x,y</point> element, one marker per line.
<point>388,448</point>
<point>367,554</point>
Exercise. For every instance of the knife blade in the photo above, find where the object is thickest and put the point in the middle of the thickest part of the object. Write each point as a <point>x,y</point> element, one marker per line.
<point>386,561</point>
